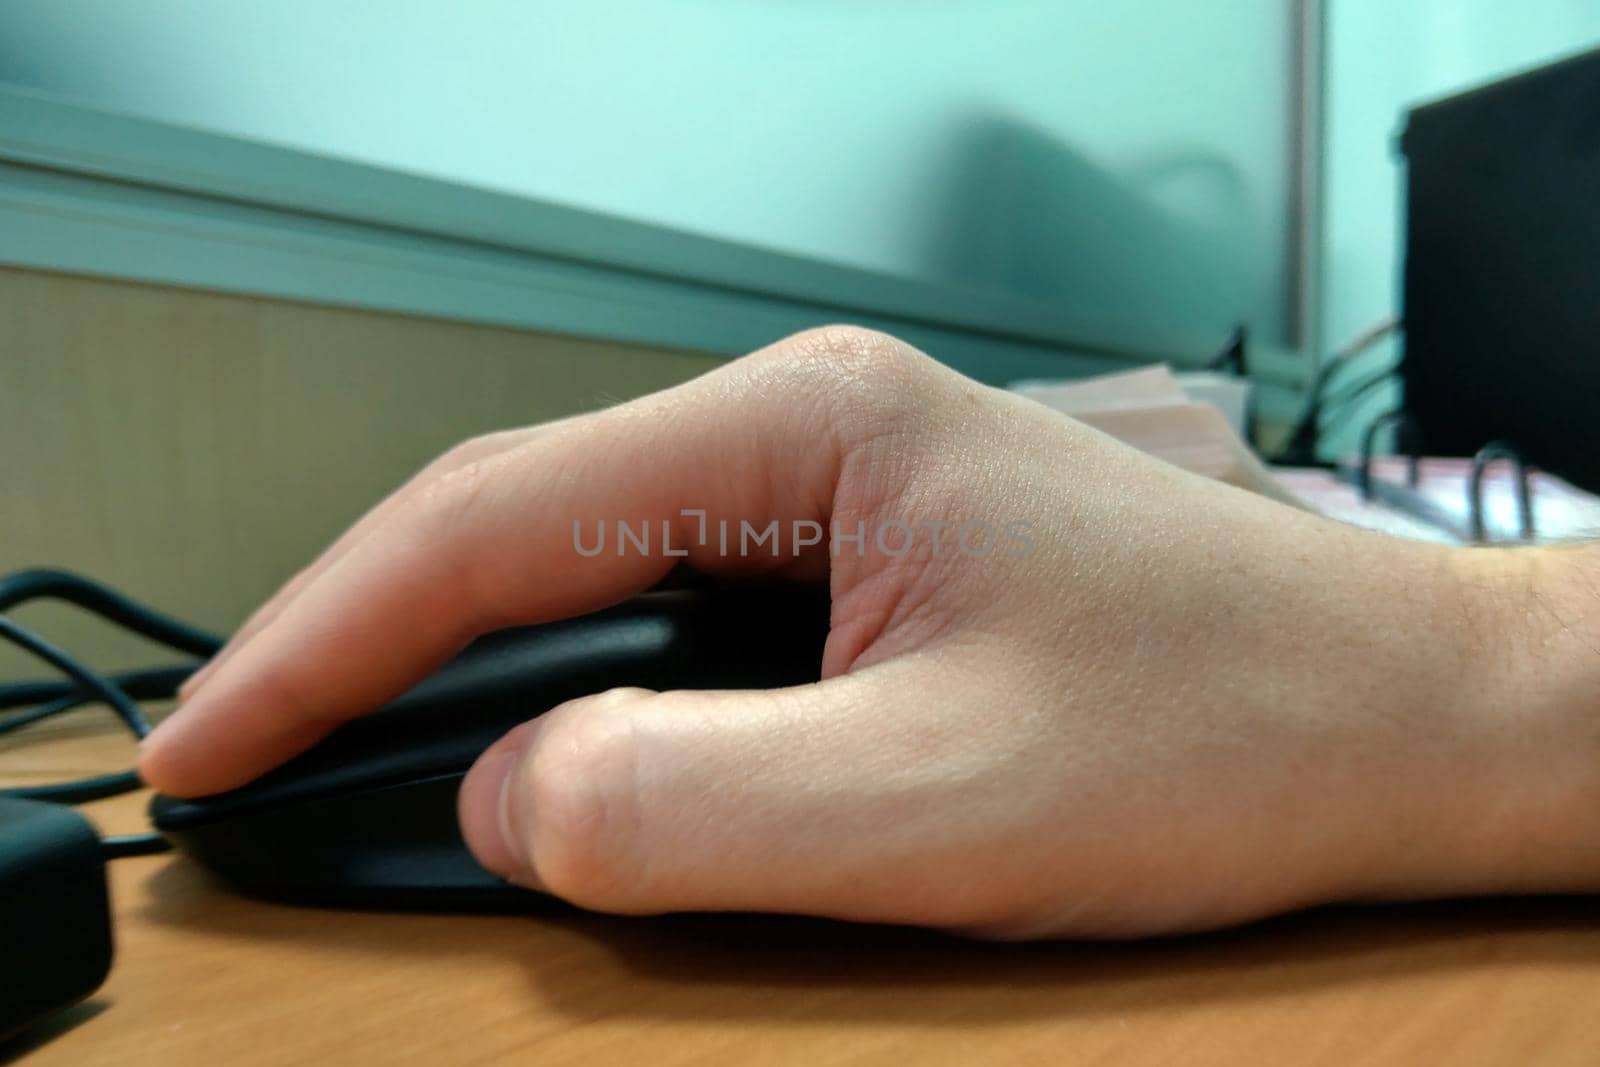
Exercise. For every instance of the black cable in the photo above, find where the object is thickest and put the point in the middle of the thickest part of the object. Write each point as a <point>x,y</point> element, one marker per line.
<point>79,790</point>
<point>46,699</point>
<point>1301,446</point>
<point>154,684</point>
<point>164,682</point>
<point>110,605</point>
<point>1342,405</point>
<point>148,683</point>
<point>42,712</point>
<point>57,698</point>
<point>97,786</point>
<point>1346,355</point>
<point>123,845</point>
<point>87,679</point>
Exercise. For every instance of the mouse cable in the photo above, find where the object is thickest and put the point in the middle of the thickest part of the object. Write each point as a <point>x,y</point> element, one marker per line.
<point>1300,448</point>
<point>49,699</point>
<point>94,787</point>
<point>44,700</point>
<point>56,697</point>
<point>119,846</point>
<point>120,702</point>
<point>36,584</point>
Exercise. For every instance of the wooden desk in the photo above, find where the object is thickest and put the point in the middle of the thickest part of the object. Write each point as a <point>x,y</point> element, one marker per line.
<point>205,977</point>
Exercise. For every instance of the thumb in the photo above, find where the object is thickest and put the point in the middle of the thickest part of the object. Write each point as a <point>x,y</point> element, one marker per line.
<point>830,799</point>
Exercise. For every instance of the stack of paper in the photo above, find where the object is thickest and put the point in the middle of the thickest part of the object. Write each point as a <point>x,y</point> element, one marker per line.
<point>1148,408</point>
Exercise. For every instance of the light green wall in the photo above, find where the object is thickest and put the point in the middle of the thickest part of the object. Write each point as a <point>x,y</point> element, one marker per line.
<point>1384,57</point>
<point>1090,154</point>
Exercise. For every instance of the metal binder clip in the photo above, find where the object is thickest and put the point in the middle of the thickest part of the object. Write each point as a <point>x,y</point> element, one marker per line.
<point>1407,430</point>
<point>1410,498</point>
<point>1489,453</point>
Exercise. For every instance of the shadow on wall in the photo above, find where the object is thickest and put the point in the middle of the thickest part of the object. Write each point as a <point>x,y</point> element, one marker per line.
<point>1167,245</point>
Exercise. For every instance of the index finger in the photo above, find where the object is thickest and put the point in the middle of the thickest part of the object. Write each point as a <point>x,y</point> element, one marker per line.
<point>491,544</point>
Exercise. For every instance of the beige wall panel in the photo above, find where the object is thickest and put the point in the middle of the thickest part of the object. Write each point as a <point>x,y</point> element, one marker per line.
<point>194,449</point>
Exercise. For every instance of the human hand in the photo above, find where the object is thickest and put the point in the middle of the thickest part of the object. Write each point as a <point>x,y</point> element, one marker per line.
<point>1158,703</point>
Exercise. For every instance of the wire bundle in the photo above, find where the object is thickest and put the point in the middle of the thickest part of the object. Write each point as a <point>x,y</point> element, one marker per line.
<point>1311,427</point>
<point>80,686</point>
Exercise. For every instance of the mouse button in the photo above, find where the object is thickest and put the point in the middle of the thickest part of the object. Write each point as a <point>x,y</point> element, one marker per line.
<point>329,770</point>
<point>443,728</point>
<point>364,847</point>
<point>574,655</point>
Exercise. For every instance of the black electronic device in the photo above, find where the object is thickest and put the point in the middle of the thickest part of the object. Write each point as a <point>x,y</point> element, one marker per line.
<point>55,919</point>
<point>368,817</point>
<point>1502,269</point>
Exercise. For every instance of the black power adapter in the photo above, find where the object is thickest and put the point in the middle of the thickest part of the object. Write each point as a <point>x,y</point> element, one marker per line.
<point>55,915</point>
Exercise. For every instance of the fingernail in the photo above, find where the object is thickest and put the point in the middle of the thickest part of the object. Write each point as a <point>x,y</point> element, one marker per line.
<point>148,758</point>
<point>153,740</point>
<point>186,690</point>
<point>484,808</point>
<point>170,728</point>
<point>191,685</point>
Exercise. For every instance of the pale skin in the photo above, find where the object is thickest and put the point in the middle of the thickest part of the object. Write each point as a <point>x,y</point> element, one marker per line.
<point>1190,706</point>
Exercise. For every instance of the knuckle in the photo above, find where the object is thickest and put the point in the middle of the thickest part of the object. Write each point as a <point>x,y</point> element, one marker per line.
<point>584,785</point>
<point>464,452</point>
<point>846,344</point>
<point>447,515</point>
<point>455,510</point>
<point>453,494</point>
<point>869,380</point>
<point>450,517</point>
<point>457,455</point>
<point>856,357</point>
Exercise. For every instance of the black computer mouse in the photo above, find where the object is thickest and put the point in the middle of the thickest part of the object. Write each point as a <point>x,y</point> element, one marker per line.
<point>368,816</point>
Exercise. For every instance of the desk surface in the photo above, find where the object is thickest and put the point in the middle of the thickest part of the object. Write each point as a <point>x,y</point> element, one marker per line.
<point>205,977</point>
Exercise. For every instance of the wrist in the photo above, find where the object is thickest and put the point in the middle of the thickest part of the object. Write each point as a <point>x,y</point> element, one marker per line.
<point>1529,816</point>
